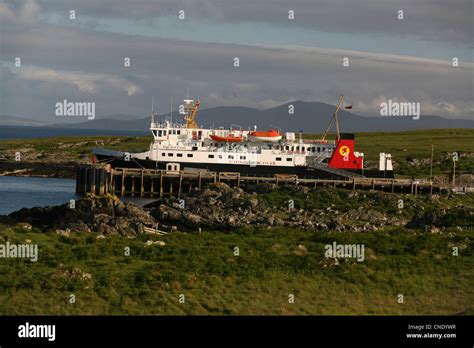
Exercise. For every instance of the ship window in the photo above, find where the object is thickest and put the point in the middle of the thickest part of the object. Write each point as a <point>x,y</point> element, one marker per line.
<point>159,133</point>
<point>170,154</point>
<point>287,148</point>
<point>278,158</point>
<point>231,157</point>
<point>313,149</point>
<point>220,156</point>
<point>190,155</point>
<point>288,159</point>
<point>163,154</point>
<point>319,149</point>
<point>211,156</point>
<point>292,148</point>
<point>179,155</point>
<point>164,133</point>
<point>178,132</point>
<point>242,157</point>
<point>297,148</point>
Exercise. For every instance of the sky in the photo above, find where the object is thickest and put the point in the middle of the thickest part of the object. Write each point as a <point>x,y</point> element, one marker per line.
<point>280,59</point>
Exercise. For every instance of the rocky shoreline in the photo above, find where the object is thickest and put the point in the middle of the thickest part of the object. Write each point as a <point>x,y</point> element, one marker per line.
<point>219,207</point>
<point>65,170</point>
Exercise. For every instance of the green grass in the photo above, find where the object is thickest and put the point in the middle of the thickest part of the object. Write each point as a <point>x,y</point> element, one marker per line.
<point>73,148</point>
<point>405,146</point>
<point>214,281</point>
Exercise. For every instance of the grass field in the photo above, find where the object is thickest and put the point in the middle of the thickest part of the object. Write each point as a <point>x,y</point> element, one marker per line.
<point>203,267</point>
<point>409,145</point>
<point>271,265</point>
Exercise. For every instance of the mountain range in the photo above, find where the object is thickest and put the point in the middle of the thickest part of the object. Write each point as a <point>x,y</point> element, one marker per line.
<point>310,117</point>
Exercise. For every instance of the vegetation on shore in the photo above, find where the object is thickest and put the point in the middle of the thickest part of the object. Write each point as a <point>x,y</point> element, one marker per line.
<point>272,263</point>
<point>203,267</point>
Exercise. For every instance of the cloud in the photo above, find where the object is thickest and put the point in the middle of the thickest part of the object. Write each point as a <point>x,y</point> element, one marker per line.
<point>430,19</point>
<point>85,82</point>
<point>26,11</point>
<point>69,61</point>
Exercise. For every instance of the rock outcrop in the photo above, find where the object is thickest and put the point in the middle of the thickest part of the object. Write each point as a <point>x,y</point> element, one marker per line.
<point>103,215</point>
<point>223,208</point>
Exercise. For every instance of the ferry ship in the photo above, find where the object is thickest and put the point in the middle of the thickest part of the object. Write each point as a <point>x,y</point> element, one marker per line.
<point>187,147</point>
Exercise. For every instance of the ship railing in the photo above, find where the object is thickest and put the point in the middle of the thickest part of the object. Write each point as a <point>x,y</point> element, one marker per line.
<point>311,160</point>
<point>295,152</point>
<point>167,125</point>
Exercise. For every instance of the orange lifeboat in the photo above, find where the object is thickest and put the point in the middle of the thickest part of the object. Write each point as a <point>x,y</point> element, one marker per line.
<point>227,139</point>
<point>271,135</point>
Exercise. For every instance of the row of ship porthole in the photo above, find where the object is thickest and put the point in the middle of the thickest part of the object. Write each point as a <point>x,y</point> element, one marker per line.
<point>220,156</point>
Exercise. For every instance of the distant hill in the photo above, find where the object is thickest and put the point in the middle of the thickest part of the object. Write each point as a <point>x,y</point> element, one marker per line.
<point>310,117</point>
<point>19,121</point>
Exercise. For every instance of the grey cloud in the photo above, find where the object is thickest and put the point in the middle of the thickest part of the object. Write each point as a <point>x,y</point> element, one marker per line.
<point>268,75</point>
<point>430,19</point>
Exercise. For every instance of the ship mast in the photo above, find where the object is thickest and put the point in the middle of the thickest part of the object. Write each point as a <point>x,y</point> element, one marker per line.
<point>153,114</point>
<point>334,117</point>
<point>190,110</point>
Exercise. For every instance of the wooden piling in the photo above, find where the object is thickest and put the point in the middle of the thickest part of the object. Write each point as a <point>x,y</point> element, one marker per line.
<point>90,186</point>
<point>112,181</point>
<point>100,188</point>
<point>81,180</point>
<point>122,188</point>
<point>161,184</point>
<point>180,183</point>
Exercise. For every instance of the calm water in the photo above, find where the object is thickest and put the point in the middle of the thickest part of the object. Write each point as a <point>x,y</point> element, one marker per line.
<point>15,132</point>
<point>26,192</point>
